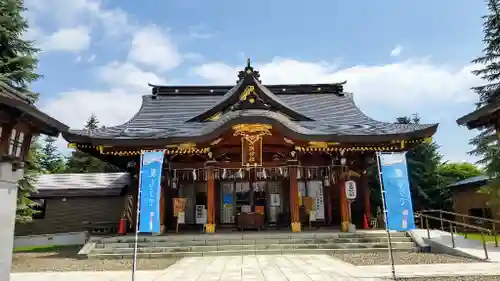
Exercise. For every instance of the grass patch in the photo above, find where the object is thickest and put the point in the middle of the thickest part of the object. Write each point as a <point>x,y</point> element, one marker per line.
<point>477,236</point>
<point>42,249</point>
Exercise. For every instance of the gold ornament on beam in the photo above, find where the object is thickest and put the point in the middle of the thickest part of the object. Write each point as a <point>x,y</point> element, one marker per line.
<point>251,142</point>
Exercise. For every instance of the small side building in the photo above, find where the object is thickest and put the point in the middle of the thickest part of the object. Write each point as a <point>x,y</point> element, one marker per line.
<point>65,201</point>
<point>468,201</point>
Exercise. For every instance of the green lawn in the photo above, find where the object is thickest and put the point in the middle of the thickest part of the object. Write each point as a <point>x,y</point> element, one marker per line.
<point>477,236</point>
<point>41,249</point>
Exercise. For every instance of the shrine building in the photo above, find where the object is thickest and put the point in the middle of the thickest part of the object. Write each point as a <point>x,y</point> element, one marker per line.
<point>250,154</point>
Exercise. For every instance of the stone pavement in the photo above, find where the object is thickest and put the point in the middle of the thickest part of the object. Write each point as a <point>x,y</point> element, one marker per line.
<point>269,268</point>
<point>225,268</point>
<point>427,270</point>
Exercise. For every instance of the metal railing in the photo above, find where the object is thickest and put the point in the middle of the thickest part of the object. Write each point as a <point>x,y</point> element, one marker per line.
<point>452,227</point>
<point>465,218</point>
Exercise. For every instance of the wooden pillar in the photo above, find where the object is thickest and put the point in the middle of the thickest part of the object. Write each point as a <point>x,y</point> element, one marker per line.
<point>210,227</point>
<point>344,208</point>
<point>163,207</point>
<point>328,199</point>
<point>366,195</point>
<point>294,196</point>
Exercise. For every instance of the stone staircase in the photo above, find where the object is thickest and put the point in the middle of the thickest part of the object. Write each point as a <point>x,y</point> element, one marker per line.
<point>247,243</point>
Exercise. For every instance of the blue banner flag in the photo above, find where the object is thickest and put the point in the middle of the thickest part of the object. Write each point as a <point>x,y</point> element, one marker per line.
<point>397,193</point>
<point>150,189</point>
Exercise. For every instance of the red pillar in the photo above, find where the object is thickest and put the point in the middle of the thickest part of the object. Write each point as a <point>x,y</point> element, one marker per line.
<point>210,227</point>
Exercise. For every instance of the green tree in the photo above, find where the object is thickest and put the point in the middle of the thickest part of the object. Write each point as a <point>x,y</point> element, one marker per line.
<point>51,160</point>
<point>18,60</point>
<point>81,162</point>
<point>18,64</point>
<point>26,186</point>
<point>450,173</point>
<point>489,91</point>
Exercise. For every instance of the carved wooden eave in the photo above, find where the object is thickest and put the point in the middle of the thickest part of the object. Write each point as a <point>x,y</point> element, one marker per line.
<point>20,108</point>
<point>249,93</point>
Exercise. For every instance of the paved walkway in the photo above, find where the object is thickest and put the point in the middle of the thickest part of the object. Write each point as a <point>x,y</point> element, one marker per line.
<point>269,268</point>
<point>254,268</point>
<point>469,247</point>
<point>421,270</point>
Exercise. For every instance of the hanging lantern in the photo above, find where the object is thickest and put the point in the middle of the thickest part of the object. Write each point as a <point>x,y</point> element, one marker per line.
<point>240,173</point>
<point>309,173</point>
<point>224,173</point>
<point>326,181</point>
<point>298,173</point>
<point>264,175</point>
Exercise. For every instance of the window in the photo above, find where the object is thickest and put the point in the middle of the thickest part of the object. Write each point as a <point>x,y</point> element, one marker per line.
<point>16,143</point>
<point>39,208</point>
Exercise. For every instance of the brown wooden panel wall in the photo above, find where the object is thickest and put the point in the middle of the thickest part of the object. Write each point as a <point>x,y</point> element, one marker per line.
<point>67,216</point>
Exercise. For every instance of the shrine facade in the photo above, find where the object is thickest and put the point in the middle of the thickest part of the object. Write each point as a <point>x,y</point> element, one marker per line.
<point>252,155</point>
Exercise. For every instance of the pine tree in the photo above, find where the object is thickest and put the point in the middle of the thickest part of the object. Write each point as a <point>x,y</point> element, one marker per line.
<point>489,71</point>
<point>81,162</point>
<point>18,60</point>
<point>52,161</point>
<point>18,63</point>
<point>26,186</point>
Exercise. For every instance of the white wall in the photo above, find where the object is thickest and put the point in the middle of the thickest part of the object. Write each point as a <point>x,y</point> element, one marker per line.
<point>60,239</point>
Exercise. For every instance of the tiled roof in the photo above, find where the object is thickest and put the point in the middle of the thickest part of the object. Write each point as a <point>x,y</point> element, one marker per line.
<point>83,184</point>
<point>166,116</point>
<point>21,102</point>
<point>472,180</point>
<point>312,114</point>
<point>486,115</point>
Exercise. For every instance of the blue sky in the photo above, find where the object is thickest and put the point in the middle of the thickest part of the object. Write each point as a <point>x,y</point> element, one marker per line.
<point>398,57</point>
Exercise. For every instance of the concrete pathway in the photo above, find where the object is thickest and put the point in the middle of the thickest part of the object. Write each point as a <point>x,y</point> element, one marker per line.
<point>427,270</point>
<point>467,247</point>
<point>225,268</point>
<point>269,268</point>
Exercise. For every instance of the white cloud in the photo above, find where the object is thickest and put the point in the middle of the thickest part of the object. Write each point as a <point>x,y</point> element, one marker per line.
<point>404,84</point>
<point>128,76</point>
<point>74,39</point>
<point>396,51</point>
<point>74,16</point>
<point>91,58</point>
<point>152,46</point>
<point>78,59</point>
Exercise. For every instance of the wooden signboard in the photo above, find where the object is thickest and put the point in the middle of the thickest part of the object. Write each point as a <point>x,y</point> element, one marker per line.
<point>251,150</point>
<point>309,204</point>
<point>179,205</point>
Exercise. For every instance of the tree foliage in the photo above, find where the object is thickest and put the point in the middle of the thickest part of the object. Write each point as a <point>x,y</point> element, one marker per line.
<point>26,185</point>
<point>51,160</point>
<point>81,162</point>
<point>488,70</point>
<point>18,60</point>
<point>18,64</point>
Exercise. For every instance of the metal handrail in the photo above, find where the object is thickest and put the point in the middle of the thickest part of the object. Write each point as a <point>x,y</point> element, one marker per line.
<point>493,226</point>
<point>482,230</point>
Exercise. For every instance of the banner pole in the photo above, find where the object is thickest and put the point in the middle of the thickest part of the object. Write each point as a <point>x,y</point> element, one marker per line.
<point>134,261</point>
<point>384,211</point>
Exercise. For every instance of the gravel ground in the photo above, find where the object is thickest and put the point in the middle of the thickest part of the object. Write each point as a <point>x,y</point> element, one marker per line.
<point>455,278</point>
<point>65,259</point>
<point>381,258</point>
